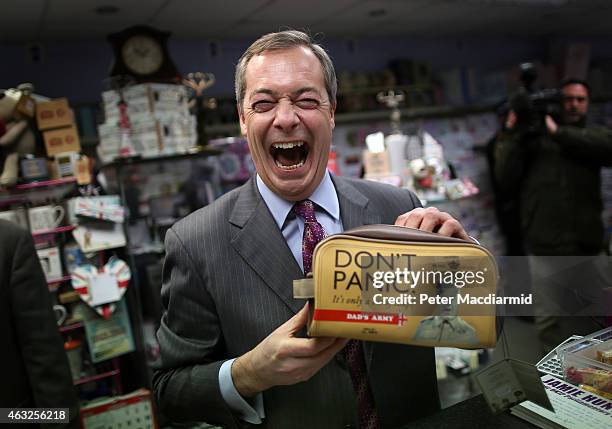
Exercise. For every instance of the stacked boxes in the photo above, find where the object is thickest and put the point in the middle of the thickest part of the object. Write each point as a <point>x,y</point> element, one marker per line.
<point>55,119</point>
<point>160,122</point>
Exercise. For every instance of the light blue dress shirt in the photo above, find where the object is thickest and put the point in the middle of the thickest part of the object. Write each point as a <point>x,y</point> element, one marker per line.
<point>327,211</point>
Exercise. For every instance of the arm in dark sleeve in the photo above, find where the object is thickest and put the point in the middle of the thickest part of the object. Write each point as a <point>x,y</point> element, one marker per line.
<point>186,379</point>
<point>510,161</point>
<point>593,143</point>
<point>40,340</point>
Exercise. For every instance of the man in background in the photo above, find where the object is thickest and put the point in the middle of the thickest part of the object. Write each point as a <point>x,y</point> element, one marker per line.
<point>33,363</point>
<point>556,172</point>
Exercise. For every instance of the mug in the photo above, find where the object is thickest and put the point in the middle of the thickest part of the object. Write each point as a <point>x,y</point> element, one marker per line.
<point>17,216</point>
<point>45,217</point>
<point>60,314</point>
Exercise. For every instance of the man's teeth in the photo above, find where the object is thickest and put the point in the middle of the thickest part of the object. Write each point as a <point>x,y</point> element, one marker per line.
<point>288,145</point>
<point>289,167</point>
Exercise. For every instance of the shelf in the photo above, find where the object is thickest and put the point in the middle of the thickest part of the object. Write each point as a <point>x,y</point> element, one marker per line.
<point>96,377</point>
<point>383,115</point>
<point>54,284</point>
<point>11,200</point>
<point>136,160</point>
<point>384,88</point>
<point>60,280</point>
<point>53,231</point>
<point>413,113</point>
<point>44,190</point>
<point>71,327</point>
<point>45,183</point>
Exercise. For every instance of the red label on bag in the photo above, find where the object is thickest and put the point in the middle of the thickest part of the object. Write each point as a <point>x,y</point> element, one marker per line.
<point>359,316</point>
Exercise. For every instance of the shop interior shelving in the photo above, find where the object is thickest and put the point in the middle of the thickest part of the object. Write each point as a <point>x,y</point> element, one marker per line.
<point>71,327</point>
<point>121,168</point>
<point>45,189</point>
<point>133,160</point>
<point>45,183</point>
<point>377,115</point>
<point>56,283</point>
<point>52,231</point>
<point>25,194</point>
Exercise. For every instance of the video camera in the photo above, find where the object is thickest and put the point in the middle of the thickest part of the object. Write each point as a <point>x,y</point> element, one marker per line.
<point>531,105</point>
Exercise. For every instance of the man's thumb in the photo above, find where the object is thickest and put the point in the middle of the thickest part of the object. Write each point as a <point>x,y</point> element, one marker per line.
<point>298,321</point>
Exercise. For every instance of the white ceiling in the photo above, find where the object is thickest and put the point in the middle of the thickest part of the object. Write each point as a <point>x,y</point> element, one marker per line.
<point>34,20</point>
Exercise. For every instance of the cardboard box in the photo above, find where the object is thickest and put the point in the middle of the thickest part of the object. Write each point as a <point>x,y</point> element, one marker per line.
<point>62,140</point>
<point>53,114</point>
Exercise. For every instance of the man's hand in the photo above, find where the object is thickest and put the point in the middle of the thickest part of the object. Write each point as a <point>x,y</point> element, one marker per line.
<point>551,125</point>
<point>283,359</point>
<point>510,120</point>
<point>433,220</point>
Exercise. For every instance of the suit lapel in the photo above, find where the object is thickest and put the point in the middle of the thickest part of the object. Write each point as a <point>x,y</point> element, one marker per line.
<point>354,207</point>
<point>262,246</point>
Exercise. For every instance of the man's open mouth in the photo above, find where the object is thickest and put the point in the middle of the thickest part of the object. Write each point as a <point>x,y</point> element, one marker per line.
<point>289,155</point>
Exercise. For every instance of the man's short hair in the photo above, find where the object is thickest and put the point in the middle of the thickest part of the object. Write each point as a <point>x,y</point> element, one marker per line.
<point>284,40</point>
<point>575,81</point>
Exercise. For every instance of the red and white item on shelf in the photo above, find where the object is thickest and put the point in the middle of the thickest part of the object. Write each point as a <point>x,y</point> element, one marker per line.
<point>107,207</point>
<point>101,288</point>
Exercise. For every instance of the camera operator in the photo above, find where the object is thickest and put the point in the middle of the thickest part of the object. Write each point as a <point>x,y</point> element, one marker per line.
<point>554,168</point>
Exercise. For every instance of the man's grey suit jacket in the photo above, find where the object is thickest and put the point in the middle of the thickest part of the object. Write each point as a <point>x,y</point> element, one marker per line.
<point>227,284</point>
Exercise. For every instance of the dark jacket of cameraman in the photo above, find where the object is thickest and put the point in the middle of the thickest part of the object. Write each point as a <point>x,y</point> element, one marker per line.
<point>558,181</point>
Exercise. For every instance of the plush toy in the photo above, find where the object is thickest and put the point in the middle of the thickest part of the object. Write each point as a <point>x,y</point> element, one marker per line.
<point>18,138</point>
<point>422,173</point>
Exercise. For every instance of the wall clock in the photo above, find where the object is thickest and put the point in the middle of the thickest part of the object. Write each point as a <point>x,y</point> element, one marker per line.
<point>141,52</point>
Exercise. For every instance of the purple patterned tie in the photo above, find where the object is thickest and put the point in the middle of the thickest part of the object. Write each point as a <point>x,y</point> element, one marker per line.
<point>313,231</point>
<point>353,351</point>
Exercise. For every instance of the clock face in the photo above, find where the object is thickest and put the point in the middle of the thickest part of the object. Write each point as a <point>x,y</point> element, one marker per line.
<point>142,55</point>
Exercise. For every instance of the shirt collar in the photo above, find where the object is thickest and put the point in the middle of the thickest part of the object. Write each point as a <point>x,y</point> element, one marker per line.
<point>324,196</point>
<point>451,321</point>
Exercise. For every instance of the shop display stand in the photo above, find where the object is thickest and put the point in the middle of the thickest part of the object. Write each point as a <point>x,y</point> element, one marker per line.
<point>114,373</point>
<point>45,183</point>
<point>57,190</point>
<point>55,284</point>
<point>53,231</point>
<point>71,327</point>
<point>121,168</point>
<point>120,163</point>
<point>25,192</point>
